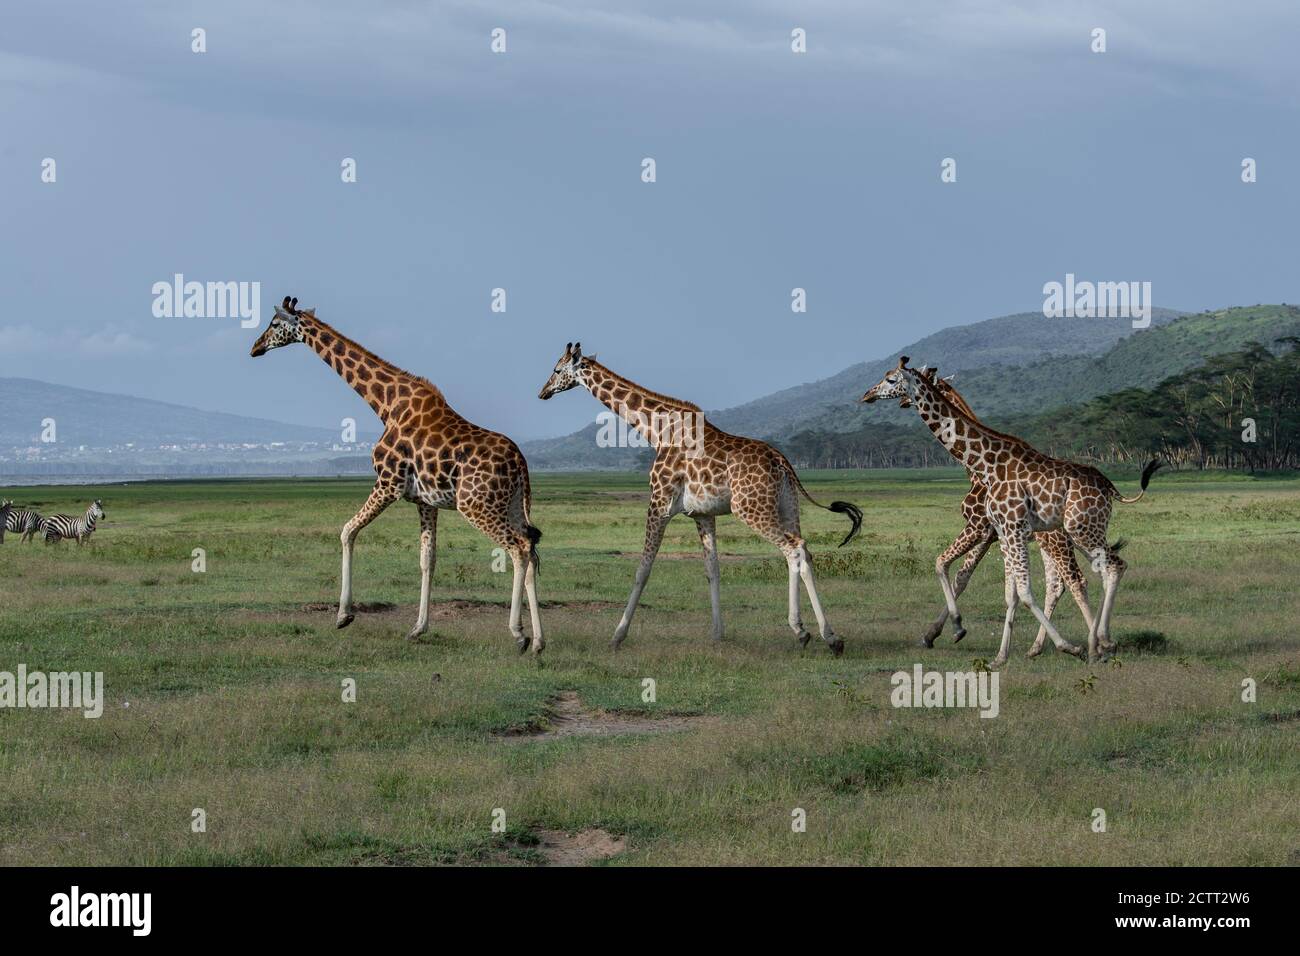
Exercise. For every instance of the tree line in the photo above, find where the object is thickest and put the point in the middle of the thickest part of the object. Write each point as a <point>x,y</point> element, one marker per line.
<point>1238,411</point>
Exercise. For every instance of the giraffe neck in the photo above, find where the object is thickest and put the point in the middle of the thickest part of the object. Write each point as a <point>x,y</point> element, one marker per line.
<point>659,418</point>
<point>365,372</point>
<point>965,437</point>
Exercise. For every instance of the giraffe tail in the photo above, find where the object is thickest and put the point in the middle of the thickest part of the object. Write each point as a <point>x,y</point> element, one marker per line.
<point>839,507</point>
<point>533,533</point>
<point>1147,472</point>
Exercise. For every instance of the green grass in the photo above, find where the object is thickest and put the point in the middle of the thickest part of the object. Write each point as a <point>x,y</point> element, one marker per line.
<point>224,693</point>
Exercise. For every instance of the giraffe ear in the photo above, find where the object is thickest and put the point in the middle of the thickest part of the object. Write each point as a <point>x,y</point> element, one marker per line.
<point>577,350</point>
<point>902,361</point>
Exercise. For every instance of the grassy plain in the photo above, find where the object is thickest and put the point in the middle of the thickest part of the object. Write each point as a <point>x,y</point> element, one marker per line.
<point>224,688</point>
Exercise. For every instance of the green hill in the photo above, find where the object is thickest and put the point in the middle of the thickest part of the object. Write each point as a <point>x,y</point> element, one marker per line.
<point>1181,392</point>
<point>831,402</point>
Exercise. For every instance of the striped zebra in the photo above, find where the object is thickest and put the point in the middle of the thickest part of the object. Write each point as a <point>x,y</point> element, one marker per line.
<point>21,520</point>
<point>57,527</point>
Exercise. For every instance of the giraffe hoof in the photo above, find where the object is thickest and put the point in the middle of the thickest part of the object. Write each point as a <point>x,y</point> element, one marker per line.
<point>837,647</point>
<point>1034,652</point>
<point>927,639</point>
<point>1074,651</point>
<point>415,633</point>
<point>958,635</point>
<point>344,620</point>
<point>804,638</point>
<point>522,644</point>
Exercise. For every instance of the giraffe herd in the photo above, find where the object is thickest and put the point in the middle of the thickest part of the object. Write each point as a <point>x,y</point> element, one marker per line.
<point>433,457</point>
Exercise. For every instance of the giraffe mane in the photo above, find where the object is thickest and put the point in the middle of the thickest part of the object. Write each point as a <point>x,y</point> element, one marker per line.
<point>418,379</point>
<point>660,396</point>
<point>949,394</point>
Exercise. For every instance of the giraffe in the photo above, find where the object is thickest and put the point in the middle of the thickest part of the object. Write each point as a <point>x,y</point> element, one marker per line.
<point>704,472</point>
<point>431,456</point>
<point>977,535</point>
<point>1025,491</point>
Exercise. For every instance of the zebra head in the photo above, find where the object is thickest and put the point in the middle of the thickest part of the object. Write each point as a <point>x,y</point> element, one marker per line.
<point>96,510</point>
<point>285,328</point>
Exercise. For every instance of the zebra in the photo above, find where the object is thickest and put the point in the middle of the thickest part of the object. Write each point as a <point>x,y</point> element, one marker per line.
<point>5,508</point>
<point>57,527</point>
<point>21,520</point>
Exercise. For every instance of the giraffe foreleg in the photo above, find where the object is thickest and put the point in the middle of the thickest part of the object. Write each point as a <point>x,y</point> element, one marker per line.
<point>973,535</point>
<point>1016,553</point>
<point>428,560</point>
<point>656,521</point>
<point>1053,587</point>
<point>707,527</point>
<point>381,496</point>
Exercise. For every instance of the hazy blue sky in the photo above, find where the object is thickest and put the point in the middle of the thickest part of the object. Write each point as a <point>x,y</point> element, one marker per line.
<point>522,170</point>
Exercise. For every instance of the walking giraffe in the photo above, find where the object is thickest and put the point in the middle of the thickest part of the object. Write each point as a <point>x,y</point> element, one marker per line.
<point>1026,491</point>
<point>703,472</point>
<point>431,456</point>
<point>1059,566</point>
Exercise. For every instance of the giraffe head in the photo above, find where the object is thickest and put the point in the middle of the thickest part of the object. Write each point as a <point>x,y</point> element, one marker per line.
<point>568,372</point>
<point>285,328</point>
<point>899,382</point>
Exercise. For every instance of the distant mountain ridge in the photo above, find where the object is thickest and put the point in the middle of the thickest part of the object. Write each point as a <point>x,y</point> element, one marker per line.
<point>830,403</point>
<point>103,419</point>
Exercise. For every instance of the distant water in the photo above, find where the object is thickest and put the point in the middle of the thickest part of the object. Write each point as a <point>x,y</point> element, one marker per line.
<point>10,481</point>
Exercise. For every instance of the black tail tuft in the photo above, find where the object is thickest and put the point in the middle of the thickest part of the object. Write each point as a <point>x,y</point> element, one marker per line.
<point>1150,470</point>
<point>1119,543</point>
<point>534,535</point>
<point>855,515</point>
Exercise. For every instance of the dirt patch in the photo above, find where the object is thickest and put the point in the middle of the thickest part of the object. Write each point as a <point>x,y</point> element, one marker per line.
<point>566,717</point>
<point>578,849</point>
<point>359,607</point>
